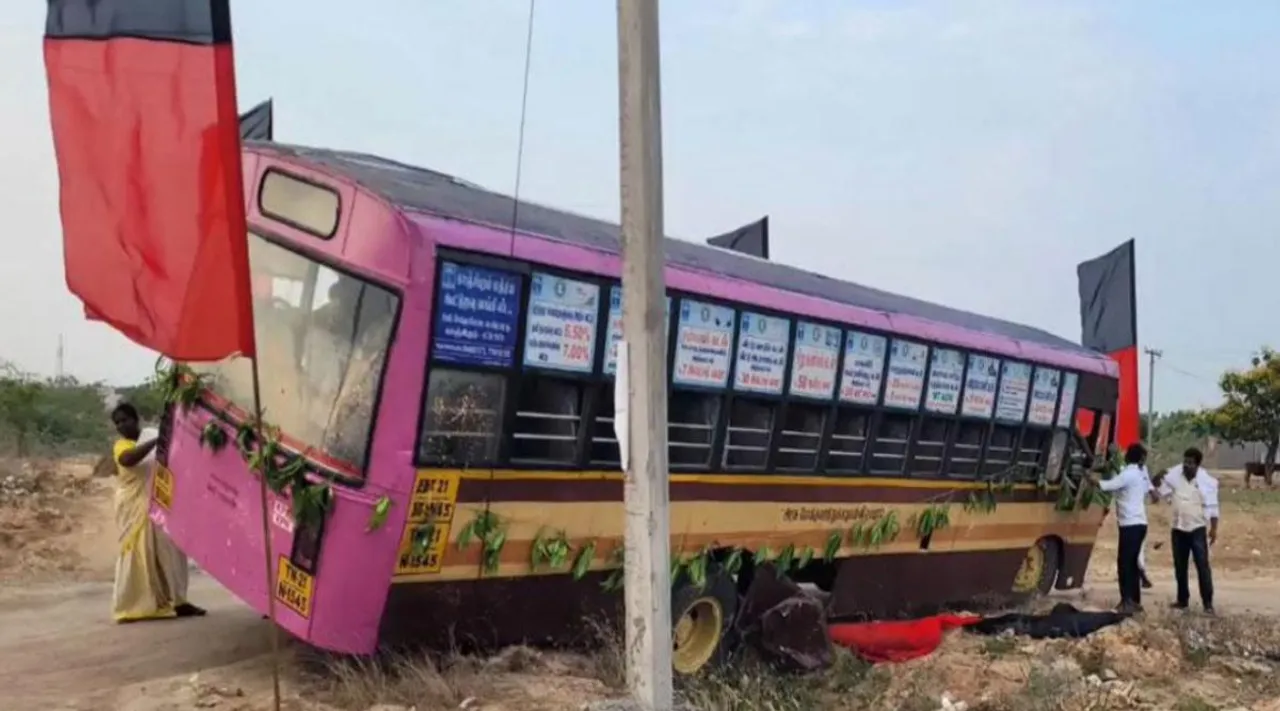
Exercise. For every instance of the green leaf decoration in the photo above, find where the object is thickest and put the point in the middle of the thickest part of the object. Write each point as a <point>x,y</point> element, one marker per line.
<point>805,557</point>
<point>785,559</point>
<point>733,563</point>
<point>379,516</point>
<point>834,541</point>
<point>697,570</point>
<point>213,436</point>
<point>582,563</point>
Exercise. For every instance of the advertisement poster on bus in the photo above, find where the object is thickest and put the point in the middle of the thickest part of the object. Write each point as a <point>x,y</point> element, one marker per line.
<point>813,365</point>
<point>560,329</point>
<point>946,373</point>
<point>863,368</point>
<point>907,362</point>
<point>1044,397</point>
<point>1015,385</point>
<point>762,353</point>
<point>615,329</point>
<point>1067,404</point>
<point>477,310</point>
<point>980,386</point>
<point>703,341</point>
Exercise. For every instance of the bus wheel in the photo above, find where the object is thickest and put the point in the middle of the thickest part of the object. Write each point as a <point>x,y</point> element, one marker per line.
<point>1039,569</point>
<point>701,617</point>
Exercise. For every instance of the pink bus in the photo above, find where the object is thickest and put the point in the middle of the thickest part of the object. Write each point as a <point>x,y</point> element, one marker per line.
<point>439,394</point>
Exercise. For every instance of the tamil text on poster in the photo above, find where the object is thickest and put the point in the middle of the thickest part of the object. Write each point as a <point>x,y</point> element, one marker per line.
<point>476,314</point>
<point>615,329</point>
<point>980,386</point>
<point>813,365</point>
<point>946,373</point>
<point>1044,397</point>
<point>1015,383</point>
<point>863,368</point>
<point>762,353</point>
<point>560,331</point>
<point>703,342</point>
<point>907,361</point>
<point>1067,404</point>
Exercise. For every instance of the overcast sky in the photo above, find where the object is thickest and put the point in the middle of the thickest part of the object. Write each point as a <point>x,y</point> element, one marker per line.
<point>970,152</point>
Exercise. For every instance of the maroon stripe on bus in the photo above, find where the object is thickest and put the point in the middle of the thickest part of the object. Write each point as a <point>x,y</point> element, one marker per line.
<point>593,489</point>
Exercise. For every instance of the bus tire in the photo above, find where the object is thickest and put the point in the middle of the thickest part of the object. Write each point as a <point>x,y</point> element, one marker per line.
<point>1039,569</point>
<point>701,620</point>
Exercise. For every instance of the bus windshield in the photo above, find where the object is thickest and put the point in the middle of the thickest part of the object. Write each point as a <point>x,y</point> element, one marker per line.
<point>322,338</point>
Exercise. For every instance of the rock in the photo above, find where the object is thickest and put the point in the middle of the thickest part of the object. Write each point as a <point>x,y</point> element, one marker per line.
<point>624,705</point>
<point>1093,680</point>
<point>1246,667</point>
<point>391,707</point>
<point>1109,675</point>
<point>793,635</point>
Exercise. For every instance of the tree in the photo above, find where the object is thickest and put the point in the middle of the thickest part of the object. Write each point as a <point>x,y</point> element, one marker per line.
<point>1250,411</point>
<point>19,407</point>
<point>147,397</point>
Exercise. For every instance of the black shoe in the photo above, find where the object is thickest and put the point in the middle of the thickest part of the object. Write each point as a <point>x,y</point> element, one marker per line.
<point>1208,610</point>
<point>1178,605</point>
<point>186,609</point>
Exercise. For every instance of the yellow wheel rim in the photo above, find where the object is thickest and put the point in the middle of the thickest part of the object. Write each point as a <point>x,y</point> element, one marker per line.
<point>1028,578</point>
<point>696,635</point>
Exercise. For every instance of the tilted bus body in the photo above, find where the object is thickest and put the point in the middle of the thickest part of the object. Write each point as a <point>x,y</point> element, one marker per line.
<point>418,352</point>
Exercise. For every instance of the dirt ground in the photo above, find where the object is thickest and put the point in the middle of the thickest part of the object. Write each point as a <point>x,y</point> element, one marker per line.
<point>59,650</point>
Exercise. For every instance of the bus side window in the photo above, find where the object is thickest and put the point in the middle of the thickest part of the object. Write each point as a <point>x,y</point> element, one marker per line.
<point>1000,450</point>
<point>889,449</point>
<point>848,441</point>
<point>692,419</point>
<point>750,429</point>
<point>801,438</point>
<point>604,441</point>
<point>1032,452</point>
<point>967,450</point>
<point>462,418</point>
<point>931,442</point>
<point>548,418</point>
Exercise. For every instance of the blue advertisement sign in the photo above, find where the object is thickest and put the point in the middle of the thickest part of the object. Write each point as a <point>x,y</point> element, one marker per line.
<point>477,310</point>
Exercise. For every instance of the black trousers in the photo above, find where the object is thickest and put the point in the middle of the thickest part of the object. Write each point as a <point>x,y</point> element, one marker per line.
<point>1194,545</point>
<point>1128,572</point>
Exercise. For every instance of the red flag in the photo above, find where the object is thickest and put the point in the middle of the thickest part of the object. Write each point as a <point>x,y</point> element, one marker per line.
<point>142,102</point>
<point>1109,320</point>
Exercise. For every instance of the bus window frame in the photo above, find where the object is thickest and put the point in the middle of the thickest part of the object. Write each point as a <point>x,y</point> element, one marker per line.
<point>328,472</point>
<point>275,217</point>
<point>597,379</point>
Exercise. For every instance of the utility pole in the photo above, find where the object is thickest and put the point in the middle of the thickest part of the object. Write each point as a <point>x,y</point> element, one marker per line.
<point>1152,354</point>
<point>644,350</point>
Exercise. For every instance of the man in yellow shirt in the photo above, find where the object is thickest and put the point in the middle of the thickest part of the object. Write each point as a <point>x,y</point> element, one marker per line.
<point>151,573</point>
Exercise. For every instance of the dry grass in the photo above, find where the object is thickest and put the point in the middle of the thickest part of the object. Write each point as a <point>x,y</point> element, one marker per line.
<point>1170,661</point>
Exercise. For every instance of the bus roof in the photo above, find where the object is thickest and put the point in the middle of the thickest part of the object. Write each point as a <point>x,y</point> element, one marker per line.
<point>423,190</point>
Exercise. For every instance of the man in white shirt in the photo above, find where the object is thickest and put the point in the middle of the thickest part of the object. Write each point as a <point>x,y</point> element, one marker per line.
<point>1193,494</point>
<point>1130,489</point>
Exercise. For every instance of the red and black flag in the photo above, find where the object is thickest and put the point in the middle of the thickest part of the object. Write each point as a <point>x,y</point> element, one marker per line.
<point>143,106</point>
<point>1109,320</point>
<point>752,239</point>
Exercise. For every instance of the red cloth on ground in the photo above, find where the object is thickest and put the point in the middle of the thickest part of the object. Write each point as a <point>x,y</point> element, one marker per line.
<point>897,641</point>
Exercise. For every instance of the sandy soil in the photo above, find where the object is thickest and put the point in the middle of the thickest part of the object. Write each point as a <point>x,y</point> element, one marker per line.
<point>58,649</point>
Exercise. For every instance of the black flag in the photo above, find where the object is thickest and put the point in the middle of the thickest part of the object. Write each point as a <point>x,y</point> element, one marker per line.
<point>752,239</point>
<point>1108,308</point>
<point>256,123</point>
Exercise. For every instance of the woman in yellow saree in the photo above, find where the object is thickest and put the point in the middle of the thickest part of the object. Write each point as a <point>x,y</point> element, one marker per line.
<point>151,573</point>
